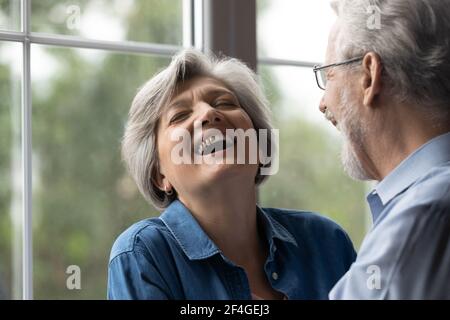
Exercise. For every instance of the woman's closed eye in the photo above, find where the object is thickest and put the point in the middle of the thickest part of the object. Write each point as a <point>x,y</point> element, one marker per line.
<point>179,116</point>
<point>224,103</point>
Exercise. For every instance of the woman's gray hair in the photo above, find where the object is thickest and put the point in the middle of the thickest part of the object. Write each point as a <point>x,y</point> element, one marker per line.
<point>139,147</point>
<point>413,41</point>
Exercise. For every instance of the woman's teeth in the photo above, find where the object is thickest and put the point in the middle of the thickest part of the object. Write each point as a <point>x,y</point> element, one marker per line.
<point>211,145</point>
<point>205,144</point>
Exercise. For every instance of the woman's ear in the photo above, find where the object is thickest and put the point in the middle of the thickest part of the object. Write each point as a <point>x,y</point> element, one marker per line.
<point>161,181</point>
<point>371,81</point>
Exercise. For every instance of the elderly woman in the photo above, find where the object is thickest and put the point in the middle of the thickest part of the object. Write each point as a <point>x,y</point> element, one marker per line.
<point>212,240</point>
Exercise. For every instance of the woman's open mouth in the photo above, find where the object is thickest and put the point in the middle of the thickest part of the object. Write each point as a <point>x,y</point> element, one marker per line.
<point>214,144</point>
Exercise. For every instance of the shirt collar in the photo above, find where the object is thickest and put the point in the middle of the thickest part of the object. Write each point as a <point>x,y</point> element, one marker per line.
<point>273,229</point>
<point>431,154</point>
<point>197,245</point>
<point>187,232</point>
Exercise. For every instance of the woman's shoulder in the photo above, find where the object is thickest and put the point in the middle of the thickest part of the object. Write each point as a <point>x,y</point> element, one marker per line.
<point>139,237</point>
<point>304,219</point>
<point>307,224</point>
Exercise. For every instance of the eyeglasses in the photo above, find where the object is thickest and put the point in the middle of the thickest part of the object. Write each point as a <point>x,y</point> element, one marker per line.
<point>321,75</point>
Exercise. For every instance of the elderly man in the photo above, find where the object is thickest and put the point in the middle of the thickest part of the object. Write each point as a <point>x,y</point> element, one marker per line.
<point>387,89</point>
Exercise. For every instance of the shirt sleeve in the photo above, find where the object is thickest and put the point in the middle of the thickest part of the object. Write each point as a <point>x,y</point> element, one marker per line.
<point>404,257</point>
<point>132,276</point>
<point>349,253</point>
<point>423,269</point>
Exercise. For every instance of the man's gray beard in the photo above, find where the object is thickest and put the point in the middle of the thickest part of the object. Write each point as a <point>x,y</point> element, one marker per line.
<point>354,134</point>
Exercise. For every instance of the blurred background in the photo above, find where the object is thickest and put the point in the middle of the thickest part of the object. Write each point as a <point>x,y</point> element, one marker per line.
<point>82,198</point>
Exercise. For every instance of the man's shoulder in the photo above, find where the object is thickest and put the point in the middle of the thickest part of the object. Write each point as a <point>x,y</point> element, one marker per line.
<point>138,236</point>
<point>431,190</point>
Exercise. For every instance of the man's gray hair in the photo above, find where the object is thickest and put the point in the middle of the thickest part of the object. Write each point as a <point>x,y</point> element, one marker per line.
<point>139,143</point>
<point>413,41</point>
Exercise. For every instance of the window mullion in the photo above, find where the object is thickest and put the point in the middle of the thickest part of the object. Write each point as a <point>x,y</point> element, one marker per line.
<point>115,46</point>
<point>188,30</point>
<point>230,29</point>
<point>27,236</point>
<point>197,18</point>
<point>12,36</point>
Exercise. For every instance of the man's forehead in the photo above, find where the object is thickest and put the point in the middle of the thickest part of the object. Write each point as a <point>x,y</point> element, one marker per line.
<point>334,31</point>
<point>332,40</point>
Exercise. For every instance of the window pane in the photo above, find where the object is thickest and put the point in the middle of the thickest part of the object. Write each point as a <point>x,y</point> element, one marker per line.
<point>83,198</point>
<point>157,21</point>
<point>10,171</point>
<point>10,15</point>
<point>310,175</point>
<point>294,29</point>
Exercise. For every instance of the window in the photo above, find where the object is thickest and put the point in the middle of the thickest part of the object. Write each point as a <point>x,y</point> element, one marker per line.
<point>292,37</point>
<point>9,15</point>
<point>82,195</point>
<point>294,30</point>
<point>154,21</point>
<point>68,72</point>
<point>62,114</point>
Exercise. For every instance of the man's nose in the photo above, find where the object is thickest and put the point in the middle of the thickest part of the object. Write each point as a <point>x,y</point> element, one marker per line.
<point>322,105</point>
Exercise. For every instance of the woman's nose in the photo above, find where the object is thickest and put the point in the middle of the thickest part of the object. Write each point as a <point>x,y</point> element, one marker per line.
<point>209,115</point>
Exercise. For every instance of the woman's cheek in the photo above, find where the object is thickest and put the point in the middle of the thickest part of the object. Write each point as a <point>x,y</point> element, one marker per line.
<point>248,121</point>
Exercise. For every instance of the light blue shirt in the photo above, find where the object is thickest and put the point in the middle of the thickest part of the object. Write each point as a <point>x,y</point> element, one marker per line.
<point>406,255</point>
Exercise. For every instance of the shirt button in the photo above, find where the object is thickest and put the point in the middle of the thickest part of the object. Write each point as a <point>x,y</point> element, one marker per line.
<point>274,276</point>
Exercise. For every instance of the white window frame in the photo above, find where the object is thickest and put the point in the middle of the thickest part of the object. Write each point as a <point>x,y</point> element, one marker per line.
<point>192,37</point>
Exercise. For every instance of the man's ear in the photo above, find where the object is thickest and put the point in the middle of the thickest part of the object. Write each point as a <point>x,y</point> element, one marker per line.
<point>371,81</point>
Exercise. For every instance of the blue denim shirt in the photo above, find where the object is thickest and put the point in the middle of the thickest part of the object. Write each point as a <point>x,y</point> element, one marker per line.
<point>171,257</point>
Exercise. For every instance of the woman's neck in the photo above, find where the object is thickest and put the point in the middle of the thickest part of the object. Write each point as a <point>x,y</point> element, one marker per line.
<point>228,216</point>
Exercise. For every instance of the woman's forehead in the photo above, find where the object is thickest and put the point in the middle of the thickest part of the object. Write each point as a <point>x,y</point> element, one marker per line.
<point>200,87</point>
